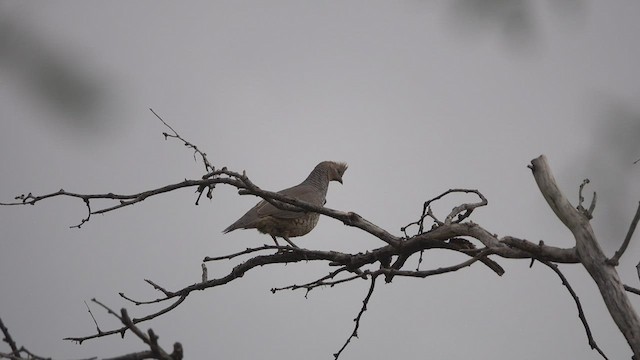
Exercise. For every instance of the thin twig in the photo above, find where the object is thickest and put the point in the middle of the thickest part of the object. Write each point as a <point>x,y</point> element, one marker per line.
<point>632,289</point>
<point>92,317</point>
<point>365,302</point>
<point>9,340</point>
<point>120,199</point>
<point>425,273</point>
<point>16,352</point>
<point>457,211</point>
<point>122,330</point>
<point>207,165</point>
<point>588,213</point>
<point>244,252</point>
<point>151,340</point>
<point>632,227</point>
<point>320,282</point>
<point>565,282</point>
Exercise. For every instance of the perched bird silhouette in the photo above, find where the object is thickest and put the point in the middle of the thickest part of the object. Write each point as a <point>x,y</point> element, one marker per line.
<point>268,219</point>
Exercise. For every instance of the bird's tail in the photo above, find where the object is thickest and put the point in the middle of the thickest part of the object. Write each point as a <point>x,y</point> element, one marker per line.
<point>231,227</point>
<point>239,224</point>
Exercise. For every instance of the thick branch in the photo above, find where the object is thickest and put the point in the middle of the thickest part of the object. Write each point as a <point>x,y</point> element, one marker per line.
<point>591,255</point>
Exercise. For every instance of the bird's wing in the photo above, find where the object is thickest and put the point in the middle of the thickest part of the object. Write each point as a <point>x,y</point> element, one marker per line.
<point>306,193</point>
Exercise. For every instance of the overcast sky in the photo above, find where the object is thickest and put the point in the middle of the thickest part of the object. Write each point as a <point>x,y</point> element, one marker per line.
<point>417,96</point>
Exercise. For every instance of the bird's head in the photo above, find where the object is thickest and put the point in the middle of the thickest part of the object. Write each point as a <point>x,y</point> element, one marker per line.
<point>335,170</point>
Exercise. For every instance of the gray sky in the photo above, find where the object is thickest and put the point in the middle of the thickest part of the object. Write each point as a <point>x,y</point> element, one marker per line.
<point>417,96</point>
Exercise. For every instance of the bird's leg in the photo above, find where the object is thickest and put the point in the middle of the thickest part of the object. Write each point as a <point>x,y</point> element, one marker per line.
<point>290,242</point>
<point>274,240</point>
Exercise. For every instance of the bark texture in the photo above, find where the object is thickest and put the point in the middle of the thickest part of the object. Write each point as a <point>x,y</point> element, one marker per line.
<point>590,255</point>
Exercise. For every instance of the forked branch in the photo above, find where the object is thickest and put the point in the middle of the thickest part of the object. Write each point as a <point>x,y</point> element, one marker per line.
<point>452,233</point>
<point>591,255</point>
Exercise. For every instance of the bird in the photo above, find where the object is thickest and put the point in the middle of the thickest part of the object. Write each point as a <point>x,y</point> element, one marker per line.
<point>286,224</point>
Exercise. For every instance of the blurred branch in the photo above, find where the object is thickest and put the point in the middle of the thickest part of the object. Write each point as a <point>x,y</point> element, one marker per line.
<point>53,75</point>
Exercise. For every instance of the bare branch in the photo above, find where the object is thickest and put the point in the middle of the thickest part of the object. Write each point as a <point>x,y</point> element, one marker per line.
<point>207,165</point>
<point>122,200</point>
<point>321,282</point>
<point>365,302</point>
<point>443,237</point>
<point>457,211</point>
<point>122,330</point>
<point>542,251</point>
<point>351,263</point>
<point>632,227</point>
<point>245,252</point>
<point>587,213</point>
<point>156,352</point>
<point>467,208</point>
<point>9,340</point>
<point>565,282</point>
<point>452,234</point>
<point>591,255</point>
<point>93,317</point>
<point>205,272</point>
<point>16,353</point>
<point>239,181</point>
<point>348,218</point>
<point>632,289</point>
<point>438,271</point>
<point>570,217</point>
<point>151,340</point>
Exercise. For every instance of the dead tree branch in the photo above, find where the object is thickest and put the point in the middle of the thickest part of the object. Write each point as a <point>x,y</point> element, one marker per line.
<point>155,352</point>
<point>207,165</point>
<point>632,289</point>
<point>581,315</point>
<point>632,227</point>
<point>356,263</point>
<point>457,211</point>
<point>365,302</point>
<point>9,340</point>
<point>453,233</point>
<point>19,353</point>
<point>588,213</point>
<point>590,254</point>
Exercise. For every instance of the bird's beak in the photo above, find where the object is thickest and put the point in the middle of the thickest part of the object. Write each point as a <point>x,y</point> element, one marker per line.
<point>339,180</point>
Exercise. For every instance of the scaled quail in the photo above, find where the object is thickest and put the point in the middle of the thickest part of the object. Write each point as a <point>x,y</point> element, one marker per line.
<point>268,219</point>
